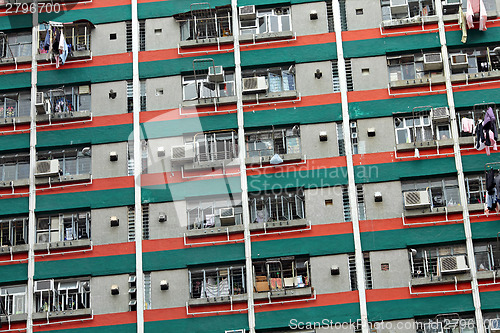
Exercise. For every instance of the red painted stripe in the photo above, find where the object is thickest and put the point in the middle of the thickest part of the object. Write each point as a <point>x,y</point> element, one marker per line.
<point>97,251</point>
<point>109,319</point>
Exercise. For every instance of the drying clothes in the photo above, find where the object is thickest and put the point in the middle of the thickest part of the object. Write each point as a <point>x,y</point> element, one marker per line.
<point>462,22</point>
<point>467,125</point>
<point>46,42</point>
<point>489,116</point>
<point>497,182</point>
<point>490,181</point>
<point>491,200</point>
<point>476,7</point>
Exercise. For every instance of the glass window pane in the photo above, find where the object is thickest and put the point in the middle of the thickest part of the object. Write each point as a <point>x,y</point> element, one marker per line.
<point>190,92</point>
<point>23,171</point>
<point>285,23</point>
<point>10,172</point>
<point>70,166</point>
<point>84,165</point>
<point>408,71</point>
<point>402,136</point>
<point>262,25</point>
<point>274,82</point>
<point>288,81</point>
<point>274,26</point>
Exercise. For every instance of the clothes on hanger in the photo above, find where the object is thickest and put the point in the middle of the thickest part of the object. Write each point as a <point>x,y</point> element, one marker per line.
<point>487,132</point>
<point>467,125</point>
<point>462,22</point>
<point>476,7</point>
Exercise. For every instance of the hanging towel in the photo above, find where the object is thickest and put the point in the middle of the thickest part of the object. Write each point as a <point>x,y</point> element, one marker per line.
<point>46,42</point>
<point>467,125</point>
<point>470,13</point>
<point>462,22</point>
<point>476,7</point>
<point>482,16</point>
<point>64,53</point>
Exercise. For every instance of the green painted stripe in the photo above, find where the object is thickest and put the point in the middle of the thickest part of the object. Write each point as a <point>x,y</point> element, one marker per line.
<point>475,37</point>
<point>489,300</point>
<point>123,328</point>
<point>14,273</point>
<point>219,323</point>
<point>94,266</point>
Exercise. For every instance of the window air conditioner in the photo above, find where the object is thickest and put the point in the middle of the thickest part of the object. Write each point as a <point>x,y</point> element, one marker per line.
<point>441,114</point>
<point>184,153</point>
<point>215,74</point>
<point>459,61</point>
<point>399,7</point>
<point>254,84</point>
<point>44,285</point>
<point>226,213</point>
<point>43,237</point>
<point>40,103</point>
<point>416,199</point>
<point>247,13</point>
<point>47,168</point>
<point>453,264</point>
<point>433,62</point>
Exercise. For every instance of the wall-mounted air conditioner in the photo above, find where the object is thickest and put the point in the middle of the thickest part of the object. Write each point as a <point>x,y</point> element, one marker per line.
<point>459,61</point>
<point>47,168</point>
<point>226,213</point>
<point>453,264</point>
<point>247,13</point>
<point>40,103</point>
<point>44,285</point>
<point>441,114</point>
<point>184,153</point>
<point>215,74</point>
<point>416,199</point>
<point>399,7</point>
<point>254,84</point>
<point>433,62</point>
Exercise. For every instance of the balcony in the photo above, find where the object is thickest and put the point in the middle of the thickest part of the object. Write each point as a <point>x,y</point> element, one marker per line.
<point>13,235</point>
<point>431,197</point>
<point>13,301</point>
<point>263,144</point>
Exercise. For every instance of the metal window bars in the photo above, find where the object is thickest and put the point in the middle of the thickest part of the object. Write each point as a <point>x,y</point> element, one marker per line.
<point>215,146</point>
<point>209,215</point>
<point>217,282</point>
<point>13,231</point>
<point>273,141</point>
<point>276,207</point>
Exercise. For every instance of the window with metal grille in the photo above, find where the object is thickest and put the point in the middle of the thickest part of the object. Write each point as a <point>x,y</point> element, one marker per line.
<point>368,271</point>
<point>14,231</point>
<point>361,202</point>
<point>343,16</point>
<point>145,221</point>
<point>130,95</point>
<point>345,203</point>
<point>352,271</point>
<point>431,262</point>
<point>214,212</point>
<point>353,125</point>
<point>142,35</point>
<point>476,189</point>
<point>340,139</point>
<point>131,224</point>
<point>132,292</point>
<point>128,29</point>
<point>217,282</point>
<point>143,95</point>
<point>147,291</point>
<point>270,207</point>
<point>335,75</point>
<point>329,16</point>
<point>130,158</point>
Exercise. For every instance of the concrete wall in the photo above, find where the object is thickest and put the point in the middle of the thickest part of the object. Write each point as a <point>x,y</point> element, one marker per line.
<point>102,232</point>
<point>312,147</point>
<point>178,292</point>
<point>176,224</point>
<point>371,17</point>
<point>162,164</point>
<point>384,139</point>
<point>398,275</point>
<point>391,205</point>
<point>102,167</point>
<point>301,22</point>
<point>102,105</point>
<point>101,299</point>
<point>307,84</point>
<point>172,93</point>
<point>102,44</point>
<point>317,211</point>
<point>321,278</point>
<point>370,73</point>
<point>169,36</point>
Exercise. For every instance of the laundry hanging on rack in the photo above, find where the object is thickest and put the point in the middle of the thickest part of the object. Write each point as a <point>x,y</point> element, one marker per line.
<point>486,132</point>
<point>467,125</point>
<point>63,49</point>
<point>476,7</point>
<point>462,22</point>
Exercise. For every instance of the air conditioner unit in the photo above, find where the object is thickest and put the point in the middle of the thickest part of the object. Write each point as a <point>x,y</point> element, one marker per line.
<point>416,199</point>
<point>254,84</point>
<point>399,7</point>
<point>184,153</point>
<point>215,74</point>
<point>453,264</point>
<point>433,62</point>
<point>451,6</point>
<point>40,103</point>
<point>44,285</point>
<point>47,168</point>
<point>43,237</point>
<point>247,13</point>
<point>459,61</point>
<point>441,114</point>
<point>226,213</point>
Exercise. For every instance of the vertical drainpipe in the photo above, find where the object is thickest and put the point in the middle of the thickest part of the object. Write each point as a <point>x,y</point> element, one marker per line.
<point>360,266</point>
<point>461,179</point>
<point>243,171</point>
<point>32,186</point>
<point>137,168</point>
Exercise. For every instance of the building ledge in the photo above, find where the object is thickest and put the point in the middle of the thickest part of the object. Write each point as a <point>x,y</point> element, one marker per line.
<point>210,101</point>
<point>60,116</point>
<point>62,314</point>
<point>45,180</point>
<point>449,278</point>
<point>424,145</point>
<point>217,300</point>
<point>15,249</point>
<point>432,211</point>
<point>244,38</point>
<point>211,164</point>
<point>283,293</point>
<point>17,60</point>
<point>425,81</point>
<point>206,42</point>
<point>63,244</point>
<point>222,230</point>
<point>491,75</point>
<point>486,275</point>
<point>475,207</point>
<point>266,159</point>
<point>278,224</point>
<point>250,97</point>
<point>13,318</point>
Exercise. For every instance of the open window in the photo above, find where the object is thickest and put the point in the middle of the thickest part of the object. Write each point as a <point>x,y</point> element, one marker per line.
<point>264,20</point>
<point>487,255</point>
<point>13,231</point>
<point>279,274</point>
<point>433,193</point>
<point>201,87</point>
<point>217,282</point>
<point>62,295</point>
<point>15,45</point>
<point>13,300</point>
<point>269,80</point>
<point>218,212</point>
<point>65,100</point>
<point>63,227</point>
<point>287,205</point>
<point>14,167</point>
<point>15,105</point>
<point>435,262</point>
<point>403,9</point>
<point>262,144</point>
<point>203,22</point>
<point>70,162</point>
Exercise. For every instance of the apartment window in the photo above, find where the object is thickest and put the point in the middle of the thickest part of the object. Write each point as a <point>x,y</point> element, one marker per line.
<point>468,118</point>
<point>130,96</point>
<point>145,221</point>
<point>476,189</point>
<point>335,75</point>
<point>13,231</point>
<point>142,35</point>
<point>62,295</point>
<point>474,60</point>
<point>444,323</point>
<point>345,204</point>
<point>433,262</point>
<point>203,22</point>
<point>76,35</point>
<point>12,300</point>
<point>217,146</point>
<point>487,256</point>
<point>132,292</point>
<point>273,141</point>
<point>361,202</point>
<point>277,79</point>
<point>63,227</point>
<point>217,282</point>
<point>281,273</point>
<point>414,129</point>
<point>399,9</point>
<point>406,67</point>
<point>268,20</point>
<point>131,222</point>
<point>147,291</point>
<point>14,167</point>
<point>353,273</point>
<point>68,99</point>
<point>142,87</point>
<point>444,192</point>
<point>287,205</point>
<point>218,212</point>
<point>15,105</point>
<point>128,31</point>
<point>199,86</point>
<point>74,161</point>
<point>15,45</point>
